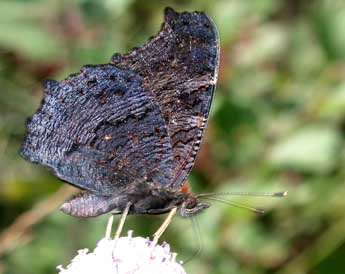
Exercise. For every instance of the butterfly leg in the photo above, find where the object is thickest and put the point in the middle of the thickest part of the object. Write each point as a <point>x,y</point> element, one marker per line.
<point>122,221</point>
<point>164,225</point>
<point>109,226</point>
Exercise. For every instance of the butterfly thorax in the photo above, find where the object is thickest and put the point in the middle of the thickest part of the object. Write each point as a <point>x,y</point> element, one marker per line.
<point>162,200</point>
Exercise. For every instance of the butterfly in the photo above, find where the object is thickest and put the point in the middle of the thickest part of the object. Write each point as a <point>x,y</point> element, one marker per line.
<point>127,132</point>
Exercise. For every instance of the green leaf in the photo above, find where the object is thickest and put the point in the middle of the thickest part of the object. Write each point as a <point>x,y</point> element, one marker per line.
<point>310,149</point>
<point>29,40</point>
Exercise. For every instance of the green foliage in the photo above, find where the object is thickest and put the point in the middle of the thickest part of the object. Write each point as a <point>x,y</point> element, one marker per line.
<point>277,123</point>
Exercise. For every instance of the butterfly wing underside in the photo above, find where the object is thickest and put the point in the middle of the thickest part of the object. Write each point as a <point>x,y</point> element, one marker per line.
<point>179,67</point>
<point>133,125</point>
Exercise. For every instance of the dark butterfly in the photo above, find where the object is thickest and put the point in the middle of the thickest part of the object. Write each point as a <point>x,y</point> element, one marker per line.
<point>128,132</point>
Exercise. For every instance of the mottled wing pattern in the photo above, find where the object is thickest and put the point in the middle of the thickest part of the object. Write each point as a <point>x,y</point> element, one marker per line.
<point>100,130</point>
<point>179,67</point>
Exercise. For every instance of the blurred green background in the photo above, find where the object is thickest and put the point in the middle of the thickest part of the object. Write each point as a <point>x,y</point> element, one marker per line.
<point>277,123</point>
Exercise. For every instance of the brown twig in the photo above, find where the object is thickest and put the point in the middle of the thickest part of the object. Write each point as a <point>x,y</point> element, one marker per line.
<point>12,236</point>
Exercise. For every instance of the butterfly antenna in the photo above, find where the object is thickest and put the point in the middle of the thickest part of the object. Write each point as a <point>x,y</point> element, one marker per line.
<point>242,193</point>
<point>250,208</point>
<point>196,231</point>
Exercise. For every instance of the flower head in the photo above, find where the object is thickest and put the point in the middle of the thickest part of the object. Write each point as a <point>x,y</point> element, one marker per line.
<point>125,255</point>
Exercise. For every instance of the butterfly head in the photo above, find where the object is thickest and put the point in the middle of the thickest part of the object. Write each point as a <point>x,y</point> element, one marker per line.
<point>192,206</point>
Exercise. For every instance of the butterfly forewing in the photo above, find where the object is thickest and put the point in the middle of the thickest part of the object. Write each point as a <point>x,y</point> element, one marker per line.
<point>102,131</point>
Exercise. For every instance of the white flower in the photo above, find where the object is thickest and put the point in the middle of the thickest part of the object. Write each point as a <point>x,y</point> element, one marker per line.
<point>125,255</point>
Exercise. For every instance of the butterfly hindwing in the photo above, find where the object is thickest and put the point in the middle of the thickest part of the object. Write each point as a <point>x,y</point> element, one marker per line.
<point>179,67</point>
